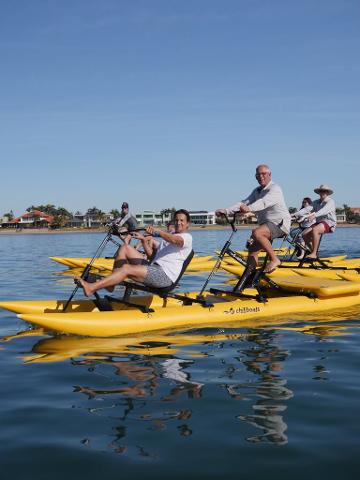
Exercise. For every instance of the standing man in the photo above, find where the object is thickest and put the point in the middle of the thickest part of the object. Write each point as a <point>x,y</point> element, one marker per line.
<point>267,202</point>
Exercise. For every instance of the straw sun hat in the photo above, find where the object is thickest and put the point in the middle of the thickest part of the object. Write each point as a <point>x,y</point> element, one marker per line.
<point>324,188</point>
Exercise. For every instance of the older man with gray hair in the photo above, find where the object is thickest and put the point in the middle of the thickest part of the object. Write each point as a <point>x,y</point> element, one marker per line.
<point>268,204</point>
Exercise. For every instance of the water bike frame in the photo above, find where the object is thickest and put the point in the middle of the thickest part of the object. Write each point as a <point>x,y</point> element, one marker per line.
<point>316,263</point>
<point>251,277</point>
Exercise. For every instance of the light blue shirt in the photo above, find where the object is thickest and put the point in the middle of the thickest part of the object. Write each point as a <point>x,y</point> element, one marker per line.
<point>268,204</point>
<point>324,211</point>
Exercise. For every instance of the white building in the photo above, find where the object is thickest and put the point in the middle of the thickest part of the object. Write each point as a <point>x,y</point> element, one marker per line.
<point>202,217</point>
<point>340,216</point>
<point>149,217</point>
<point>199,217</point>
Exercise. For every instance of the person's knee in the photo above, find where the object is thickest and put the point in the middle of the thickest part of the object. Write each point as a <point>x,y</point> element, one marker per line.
<point>126,269</point>
<point>257,234</point>
<point>318,230</point>
<point>119,252</point>
<point>123,251</point>
<point>260,234</point>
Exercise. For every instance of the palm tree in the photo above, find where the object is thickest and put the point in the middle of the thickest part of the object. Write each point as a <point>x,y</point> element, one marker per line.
<point>115,213</point>
<point>48,208</point>
<point>93,211</point>
<point>60,211</point>
<point>351,217</point>
<point>9,215</point>
<point>101,216</point>
<point>167,211</point>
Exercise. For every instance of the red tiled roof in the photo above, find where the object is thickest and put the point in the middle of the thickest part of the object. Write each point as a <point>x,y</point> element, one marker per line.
<point>34,213</point>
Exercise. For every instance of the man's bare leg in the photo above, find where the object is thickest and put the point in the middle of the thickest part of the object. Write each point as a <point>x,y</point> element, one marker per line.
<point>253,259</point>
<point>135,272</point>
<point>262,238</point>
<point>127,254</point>
<point>316,233</point>
<point>307,236</point>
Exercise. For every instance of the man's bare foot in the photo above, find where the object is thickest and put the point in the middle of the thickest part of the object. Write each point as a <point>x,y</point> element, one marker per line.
<point>272,266</point>
<point>312,257</point>
<point>87,287</point>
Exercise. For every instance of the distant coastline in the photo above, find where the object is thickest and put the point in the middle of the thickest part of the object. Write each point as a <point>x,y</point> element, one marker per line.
<point>45,231</point>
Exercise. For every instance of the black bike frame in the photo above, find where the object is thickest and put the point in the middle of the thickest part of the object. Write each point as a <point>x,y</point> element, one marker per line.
<point>87,269</point>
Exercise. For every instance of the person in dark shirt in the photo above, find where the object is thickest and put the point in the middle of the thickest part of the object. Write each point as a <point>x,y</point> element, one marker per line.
<point>126,219</point>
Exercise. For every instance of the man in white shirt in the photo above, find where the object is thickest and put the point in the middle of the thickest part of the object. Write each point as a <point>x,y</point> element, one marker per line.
<point>167,256</point>
<point>267,202</point>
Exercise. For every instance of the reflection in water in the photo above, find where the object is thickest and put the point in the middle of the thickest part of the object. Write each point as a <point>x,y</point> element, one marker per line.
<point>175,369</point>
<point>264,359</point>
<point>149,385</point>
<point>145,378</point>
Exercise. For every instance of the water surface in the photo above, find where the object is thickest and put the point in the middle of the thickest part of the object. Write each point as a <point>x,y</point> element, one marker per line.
<point>273,402</point>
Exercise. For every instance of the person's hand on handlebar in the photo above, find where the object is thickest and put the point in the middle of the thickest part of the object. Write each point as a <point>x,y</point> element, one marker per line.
<point>126,239</point>
<point>155,232</point>
<point>244,208</point>
<point>220,212</point>
<point>244,211</point>
<point>137,235</point>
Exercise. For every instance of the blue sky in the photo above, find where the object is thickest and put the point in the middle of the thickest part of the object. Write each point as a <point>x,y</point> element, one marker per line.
<point>168,103</point>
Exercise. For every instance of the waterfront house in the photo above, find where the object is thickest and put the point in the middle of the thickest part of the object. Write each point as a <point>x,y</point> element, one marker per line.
<point>148,217</point>
<point>32,219</point>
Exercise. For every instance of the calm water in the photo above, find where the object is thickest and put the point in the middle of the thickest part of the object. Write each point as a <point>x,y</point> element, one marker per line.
<point>236,403</point>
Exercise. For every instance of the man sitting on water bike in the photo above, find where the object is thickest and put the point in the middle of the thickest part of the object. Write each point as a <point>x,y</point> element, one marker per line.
<point>267,202</point>
<point>167,256</point>
<point>322,214</point>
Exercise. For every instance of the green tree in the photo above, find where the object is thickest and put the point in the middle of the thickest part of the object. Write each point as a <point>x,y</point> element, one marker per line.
<point>96,214</point>
<point>61,218</point>
<point>167,211</point>
<point>49,209</point>
<point>62,212</point>
<point>351,217</point>
<point>59,221</point>
<point>101,216</point>
<point>94,211</point>
<point>115,212</point>
<point>221,220</point>
<point>9,215</point>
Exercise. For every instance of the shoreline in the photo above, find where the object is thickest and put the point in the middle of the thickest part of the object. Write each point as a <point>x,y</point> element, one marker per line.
<point>45,231</point>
